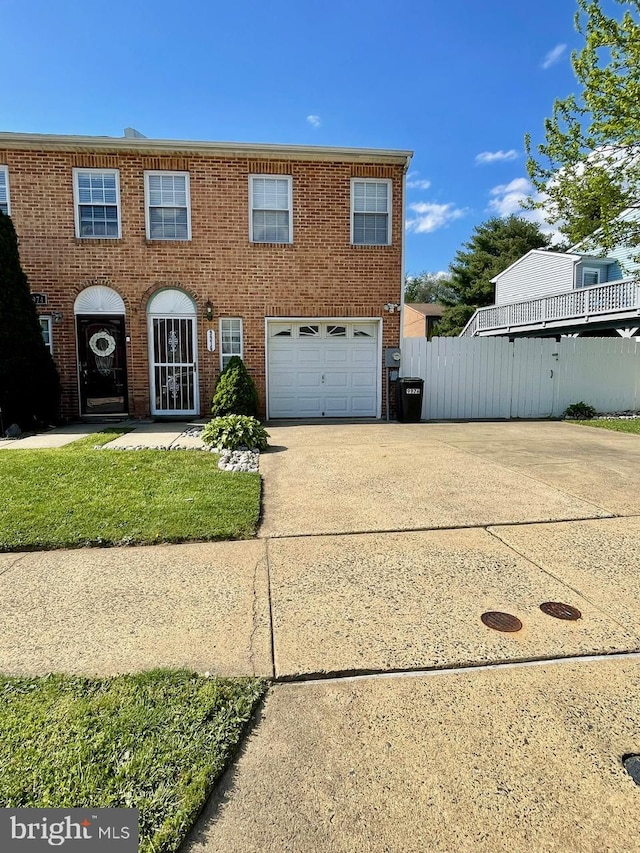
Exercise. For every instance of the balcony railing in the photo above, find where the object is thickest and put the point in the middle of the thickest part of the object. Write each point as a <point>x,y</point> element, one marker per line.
<point>584,303</point>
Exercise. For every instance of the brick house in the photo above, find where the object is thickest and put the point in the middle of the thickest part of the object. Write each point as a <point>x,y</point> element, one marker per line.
<point>153,261</point>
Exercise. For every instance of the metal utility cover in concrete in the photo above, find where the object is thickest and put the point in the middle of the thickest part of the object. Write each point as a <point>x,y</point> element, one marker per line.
<point>413,600</point>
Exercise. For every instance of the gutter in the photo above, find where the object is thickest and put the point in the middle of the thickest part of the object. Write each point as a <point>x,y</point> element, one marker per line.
<point>51,142</point>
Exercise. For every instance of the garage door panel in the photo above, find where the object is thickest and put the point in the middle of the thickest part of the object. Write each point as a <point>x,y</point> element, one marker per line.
<point>325,375</point>
<point>336,380</point>
<point>334,356</point>
<point>363,406</point>
<point>362,380</point>
<point>309,380</point>
<point>308,356</point>
<point>337,406</point>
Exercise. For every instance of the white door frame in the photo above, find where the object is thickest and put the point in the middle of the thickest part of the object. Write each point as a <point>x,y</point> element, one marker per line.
<point>172,303</point>
<point>337,320</point>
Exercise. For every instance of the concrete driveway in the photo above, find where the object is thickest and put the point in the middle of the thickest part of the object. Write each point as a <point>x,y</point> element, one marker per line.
<point>373,477</point>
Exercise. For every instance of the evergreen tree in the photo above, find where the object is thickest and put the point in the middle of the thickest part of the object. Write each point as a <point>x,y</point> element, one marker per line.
<point>493,246</point>
<point>29,382</point>
<point>588,169</point>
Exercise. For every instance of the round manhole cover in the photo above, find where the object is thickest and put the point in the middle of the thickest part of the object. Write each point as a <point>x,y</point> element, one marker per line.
<point>560,611</point>
<point>631,764</point>
<point>501,621</point>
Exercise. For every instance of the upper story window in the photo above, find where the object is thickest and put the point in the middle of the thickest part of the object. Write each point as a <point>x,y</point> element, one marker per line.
<point>5,205</point>
<point>270,209</point>
<point>590,276</point>
<point>168,208</point>
<point>370,212</point>
<point>97,203</point>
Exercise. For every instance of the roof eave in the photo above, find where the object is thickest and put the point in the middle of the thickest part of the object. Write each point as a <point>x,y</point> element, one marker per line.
<point>260,150</point>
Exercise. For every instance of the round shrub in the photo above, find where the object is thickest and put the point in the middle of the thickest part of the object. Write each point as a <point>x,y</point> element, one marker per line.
<point>579,412</point>
<point>232,432</point>
<point>235,392</point>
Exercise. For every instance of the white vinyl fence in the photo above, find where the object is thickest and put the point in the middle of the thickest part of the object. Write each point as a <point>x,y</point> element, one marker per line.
<point>467,378</point>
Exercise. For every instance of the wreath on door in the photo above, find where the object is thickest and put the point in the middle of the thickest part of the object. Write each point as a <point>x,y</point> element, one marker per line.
<point>103,345</point>
<point>106,348</point>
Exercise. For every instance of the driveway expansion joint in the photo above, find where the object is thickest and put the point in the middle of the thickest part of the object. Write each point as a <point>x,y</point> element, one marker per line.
<point>555,577</point>
<point>454,669</point>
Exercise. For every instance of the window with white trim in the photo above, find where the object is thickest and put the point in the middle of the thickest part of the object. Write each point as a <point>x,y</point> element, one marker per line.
<point>590,276</point>
<point>45,328</point>
<point>230,339</point>
<point>97,203</point>
<point>370,212</point>
<point>5,205</point>
<point>270,206</point>
<point>167,205</point>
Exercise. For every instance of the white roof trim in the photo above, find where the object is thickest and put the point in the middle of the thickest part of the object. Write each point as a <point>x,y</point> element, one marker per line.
<point>574,257</point>
<point>173,146</point>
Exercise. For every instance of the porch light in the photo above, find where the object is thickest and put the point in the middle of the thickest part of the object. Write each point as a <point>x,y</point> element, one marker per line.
<point>209,310</point>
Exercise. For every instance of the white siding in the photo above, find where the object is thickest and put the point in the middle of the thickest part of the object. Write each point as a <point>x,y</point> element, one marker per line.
<point>535,274</point>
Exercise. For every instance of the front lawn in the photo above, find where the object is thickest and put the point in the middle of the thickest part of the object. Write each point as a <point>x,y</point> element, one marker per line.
<point>631,425</point>
<point>77,496</point>
<point>157,742</point>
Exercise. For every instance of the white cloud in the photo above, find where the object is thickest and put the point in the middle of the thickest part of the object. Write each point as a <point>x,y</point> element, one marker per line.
<point>553,56</point>
<point>496,156</point>
<point>314,121</point>
<point>507,199</point>
<point>431,217</point>
<point>415,183</point>
<point>418,185</point>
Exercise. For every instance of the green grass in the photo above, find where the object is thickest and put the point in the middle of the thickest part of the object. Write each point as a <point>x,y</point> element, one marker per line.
<point>632,426</point>
<point>157,742</point>
<point>77,496</point>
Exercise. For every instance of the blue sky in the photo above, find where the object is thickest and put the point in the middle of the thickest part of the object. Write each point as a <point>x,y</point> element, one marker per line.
<point>450,80</point>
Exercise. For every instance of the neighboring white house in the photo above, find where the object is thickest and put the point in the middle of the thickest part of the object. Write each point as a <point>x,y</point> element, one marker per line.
<point>547,292</point>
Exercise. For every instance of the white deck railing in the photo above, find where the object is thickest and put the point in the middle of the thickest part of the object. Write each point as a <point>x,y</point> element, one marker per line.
<point>586,302</point>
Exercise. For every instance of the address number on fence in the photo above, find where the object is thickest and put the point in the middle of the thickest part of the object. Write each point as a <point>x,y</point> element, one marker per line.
<point>411,390</point>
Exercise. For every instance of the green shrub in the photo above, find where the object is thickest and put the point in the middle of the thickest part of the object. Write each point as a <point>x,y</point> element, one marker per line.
<point>579,412</point>
<point>235,392</point>
<point>233,431</point>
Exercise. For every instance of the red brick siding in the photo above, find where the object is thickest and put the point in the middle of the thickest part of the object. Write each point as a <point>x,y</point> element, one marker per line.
<point>319,275</point>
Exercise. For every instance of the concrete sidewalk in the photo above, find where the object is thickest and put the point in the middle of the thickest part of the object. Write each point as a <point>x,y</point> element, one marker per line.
<point>146,434</point>
<point>58,437</point>
<point>492,761</point>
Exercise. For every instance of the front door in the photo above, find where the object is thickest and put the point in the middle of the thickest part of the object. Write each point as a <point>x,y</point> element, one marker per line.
<point>174,389</point>
<point>102,357</point>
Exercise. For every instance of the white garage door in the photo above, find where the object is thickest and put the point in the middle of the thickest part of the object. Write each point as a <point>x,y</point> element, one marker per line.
<point>323,368</point>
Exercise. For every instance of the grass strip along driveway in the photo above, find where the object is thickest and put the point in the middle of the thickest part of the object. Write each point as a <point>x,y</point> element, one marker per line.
<point>77,496</point>
<point>156,742</point>
<point>618,424</point>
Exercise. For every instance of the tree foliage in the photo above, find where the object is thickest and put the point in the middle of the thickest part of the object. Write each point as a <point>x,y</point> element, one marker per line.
<point>428,287</point>
<point>493,246</point>
<point>29,382</point>
<point>588,169</point>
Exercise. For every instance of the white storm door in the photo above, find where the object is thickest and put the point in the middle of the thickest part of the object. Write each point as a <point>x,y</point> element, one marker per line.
<point>174,374</point>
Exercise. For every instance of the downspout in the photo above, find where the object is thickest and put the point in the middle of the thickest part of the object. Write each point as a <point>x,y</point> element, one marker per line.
<point>402,263</point>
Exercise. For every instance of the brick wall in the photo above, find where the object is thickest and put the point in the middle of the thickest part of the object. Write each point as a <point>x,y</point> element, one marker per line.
<point>319,275</point>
